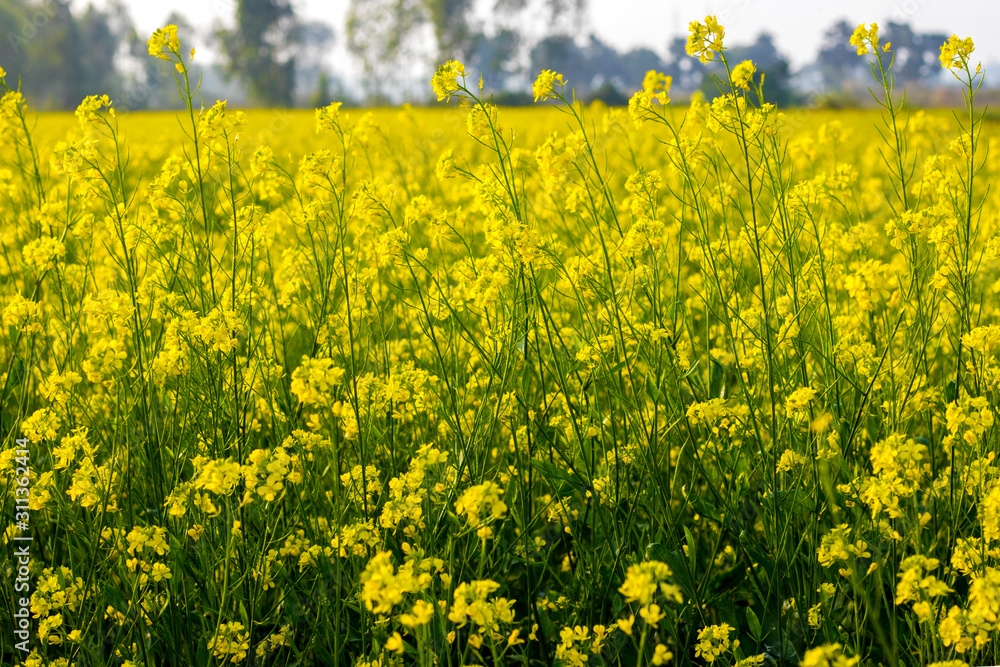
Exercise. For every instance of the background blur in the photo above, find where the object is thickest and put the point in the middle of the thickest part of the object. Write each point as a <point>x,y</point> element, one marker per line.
<point>285,53</point>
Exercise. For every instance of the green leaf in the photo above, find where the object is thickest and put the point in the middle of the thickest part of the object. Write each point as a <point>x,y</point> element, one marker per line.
<point>561,481</point>
<point>754,624</point>
<point>652,391</point>
<point>202,658</point>
<point>951,391</point>
<point>717,380</point>
<point>692,560</point>
<point>617,367</point>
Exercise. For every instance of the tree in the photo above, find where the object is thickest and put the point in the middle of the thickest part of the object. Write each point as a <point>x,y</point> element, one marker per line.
<point>452,28</point>
<point>261,49</point>
<point>492,55</point>
<point>315,39</point>
<point>763,53</point>
<point>59,57</point>
<point>384,35</point>
<point>915,55</point>
<point>765,56</point>
<point>381,34</point>
<point>635,64</point>
<point>322,97</point>
<point>839,61</point>
<point>562,54</point>
<point>686,72</point>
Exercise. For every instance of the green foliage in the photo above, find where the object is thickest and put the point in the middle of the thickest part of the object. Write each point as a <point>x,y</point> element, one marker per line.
<point>258,49</point>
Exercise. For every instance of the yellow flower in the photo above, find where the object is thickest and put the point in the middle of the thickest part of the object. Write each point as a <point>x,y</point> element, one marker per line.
<point>326,118</point>
<point>815,617</point>
<point>742,75</point>
<point>470,603</point>
<point>790,460</point>
<point>395,643</point>
<point>483,120</point>
<point>713,641</point>
<point>445,81</point>
<point>165,38</point>
<point>652,614</point>
<point>656,82</point>
<point>43,253</point>
<point>835,546</point>
<point>865,37</point>
<point>661,655</point>
<point>87,114</point>
<point>704,39</point>
<point>383,587</point>
<point>231,639</point>
<point>445,167</point>
<point>955,52</point>
<point>827,655</point>
<point>545,84</point>
<point>421,614</point>
<point>797,403</point>
<point>481,504</point>
<point>314,381</point>
<point>642,581</point>
<point>24,314</point>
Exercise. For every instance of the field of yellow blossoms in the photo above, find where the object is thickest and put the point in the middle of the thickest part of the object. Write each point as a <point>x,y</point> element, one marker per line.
<point>701,385</point>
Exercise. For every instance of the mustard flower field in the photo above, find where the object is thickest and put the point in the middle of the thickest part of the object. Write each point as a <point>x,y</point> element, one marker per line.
<point>707,384</point>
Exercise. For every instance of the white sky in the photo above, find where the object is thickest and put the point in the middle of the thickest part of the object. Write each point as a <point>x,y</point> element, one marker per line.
<point>797,25</point>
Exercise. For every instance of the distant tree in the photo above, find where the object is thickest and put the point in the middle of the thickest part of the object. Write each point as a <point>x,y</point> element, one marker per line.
<point>382,35</point>
<point>493,56</point>
<point>452,27</point>
<point>55,67</point>
<point>602,64</point>
<point>915,55</point>
<point>635,64</point>
<point>185,29</point>
<point>839,61</point>
<point>321,98</point>
<point>608,93</point>
<point>315,40</point>
<point>686,72</point>
<point>562,54</point>
<point>15,17</point>
<point>777,71</point>
<point>101,37</point>
<point>595,68</point>
<point>765,56</point>
<point>261,49</point>
<point>61,57</point>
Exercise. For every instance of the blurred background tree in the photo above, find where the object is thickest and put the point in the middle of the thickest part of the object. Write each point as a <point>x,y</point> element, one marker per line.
<point>265,54</point>
<point>260,49</point>
<point>61,58</point>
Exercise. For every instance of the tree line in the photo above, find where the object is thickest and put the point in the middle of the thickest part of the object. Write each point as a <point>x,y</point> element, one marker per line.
<point>273,57</point>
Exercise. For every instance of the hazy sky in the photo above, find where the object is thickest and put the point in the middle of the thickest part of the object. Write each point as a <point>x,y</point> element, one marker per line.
<point>797,25</point>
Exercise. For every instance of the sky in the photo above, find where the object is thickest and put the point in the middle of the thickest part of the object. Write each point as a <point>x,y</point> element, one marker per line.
<point>797,25</point>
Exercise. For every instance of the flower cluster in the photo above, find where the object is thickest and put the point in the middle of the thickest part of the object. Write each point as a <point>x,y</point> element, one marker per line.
<point>545,84</point>
<point>704,39</point>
